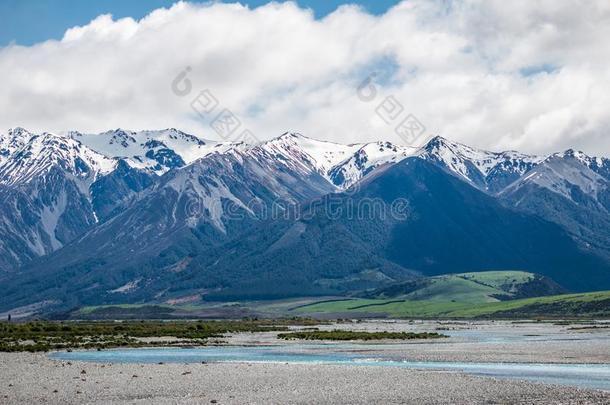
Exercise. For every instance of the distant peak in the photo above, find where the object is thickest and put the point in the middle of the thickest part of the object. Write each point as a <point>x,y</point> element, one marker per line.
<point>438,139</point>
<point>119,131</point>
<point>574,152</point>
<point>570,153</point>
<point>173,130</point>
<point>438,142</point>
<point>72,134</point>
<point>293,135</point>
<point>18,131</point>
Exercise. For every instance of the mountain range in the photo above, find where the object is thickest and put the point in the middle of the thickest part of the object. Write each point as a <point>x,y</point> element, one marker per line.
<point>165,216</point>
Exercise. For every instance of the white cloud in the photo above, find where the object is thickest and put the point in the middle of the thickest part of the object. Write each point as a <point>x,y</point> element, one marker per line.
<point>528,75</point>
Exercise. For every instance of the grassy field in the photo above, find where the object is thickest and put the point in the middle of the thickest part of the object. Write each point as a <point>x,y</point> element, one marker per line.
<point>202,310</point>
<point>445,299</point>
<point>43,336</point>
<point>480,287</point>
<point>489,294</point>
<point>456,288</point>
<point>595,305</point>
<point>91,309</point>
<point>497,279</point>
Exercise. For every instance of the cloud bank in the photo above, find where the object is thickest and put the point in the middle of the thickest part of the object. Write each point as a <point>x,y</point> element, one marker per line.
<point>526,75</point>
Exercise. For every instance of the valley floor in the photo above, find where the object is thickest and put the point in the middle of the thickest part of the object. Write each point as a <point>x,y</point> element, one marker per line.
<point>33,378</point>
<point>27,378</point>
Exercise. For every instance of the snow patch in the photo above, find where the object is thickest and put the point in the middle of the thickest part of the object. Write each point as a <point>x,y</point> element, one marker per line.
<point>128,287</point>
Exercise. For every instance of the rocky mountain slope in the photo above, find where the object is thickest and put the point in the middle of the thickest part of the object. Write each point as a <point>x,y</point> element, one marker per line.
<point>126,216</point>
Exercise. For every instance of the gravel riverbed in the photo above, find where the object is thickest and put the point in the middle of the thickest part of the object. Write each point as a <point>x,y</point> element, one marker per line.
<point>34,378</point>
<point>27,378</point>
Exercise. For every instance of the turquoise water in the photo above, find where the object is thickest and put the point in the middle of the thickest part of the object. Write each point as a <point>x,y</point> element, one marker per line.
<point>580,375</point>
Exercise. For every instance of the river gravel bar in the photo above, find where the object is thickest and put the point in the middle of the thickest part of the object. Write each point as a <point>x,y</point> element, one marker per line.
<point>27,378</point>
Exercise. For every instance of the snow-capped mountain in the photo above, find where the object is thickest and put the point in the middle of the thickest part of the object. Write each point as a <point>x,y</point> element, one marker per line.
<point>56,187</point>
<point>44,193</point>
<point>163,253</point>
<point>193,207</point>
<point>14,140</point>
<point>568,188</point>
<point>342,165</point>
<point>599,165</point>
<point>345,165</point>
<point>572,190</point>
<point>50,187</point>
<point>489,171</point>
<point>305,154</point>
<point>158,151</point>
<point>166,210</point>
<point>564,173</point>
<point>366,159</point>
<point>32,156</point>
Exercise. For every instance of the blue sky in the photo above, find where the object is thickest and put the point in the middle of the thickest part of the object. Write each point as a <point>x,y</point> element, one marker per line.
<point>26,22</point>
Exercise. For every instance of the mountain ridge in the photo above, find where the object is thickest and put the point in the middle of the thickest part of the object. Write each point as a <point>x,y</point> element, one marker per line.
<point>170,206</point>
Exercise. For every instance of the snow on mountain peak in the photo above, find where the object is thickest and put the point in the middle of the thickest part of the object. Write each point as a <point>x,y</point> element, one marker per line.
<point>578,155</point>
<point>157,150</point>
<point>599,165</point>
<point>38,154</point>
<point>15,139</point>
<point>342,165</point>
<point>324,154</point>
<point>454,155</point>
<point>305,154</point>
<point>365,159</point>
<point>19,132</point>
<point>477,166</point>
<point>561,172</point>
